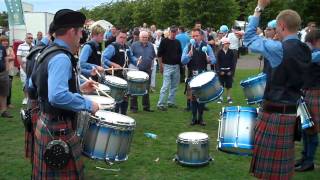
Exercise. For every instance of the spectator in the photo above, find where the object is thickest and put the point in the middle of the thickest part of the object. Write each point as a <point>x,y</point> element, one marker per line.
<point>22,52</point>
<point>4,41</point>
<point>169,55</point>
<point>37,41</point>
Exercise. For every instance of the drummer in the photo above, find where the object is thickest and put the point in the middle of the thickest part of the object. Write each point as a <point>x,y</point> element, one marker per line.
<point>144,49</point>
<point>59,99</point>
<point>90,56</point>
<point>118,55</point>
<point>196,61</point>
<point>312,98</point>
<point>273,153</point>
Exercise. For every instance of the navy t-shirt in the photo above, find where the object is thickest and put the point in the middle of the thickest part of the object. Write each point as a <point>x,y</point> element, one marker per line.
<point>3,54</point>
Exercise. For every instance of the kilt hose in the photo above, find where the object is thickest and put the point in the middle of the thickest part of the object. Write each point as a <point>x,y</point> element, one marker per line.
<point>74,168</point>
<point>273,153</point>
<point>29,136</point>
<point>312,99</point>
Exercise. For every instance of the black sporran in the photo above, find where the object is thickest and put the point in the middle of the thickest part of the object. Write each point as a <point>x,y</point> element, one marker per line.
<point>57,154</point>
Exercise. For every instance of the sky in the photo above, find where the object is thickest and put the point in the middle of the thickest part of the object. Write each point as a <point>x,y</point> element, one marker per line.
<point>54,5</point>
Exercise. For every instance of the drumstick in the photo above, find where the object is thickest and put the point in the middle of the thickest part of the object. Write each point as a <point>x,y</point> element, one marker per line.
<point>98,73</point>
<point>108,69</point>
<point>139,60</point>
<point>115,170</point>
<point>97,88</point>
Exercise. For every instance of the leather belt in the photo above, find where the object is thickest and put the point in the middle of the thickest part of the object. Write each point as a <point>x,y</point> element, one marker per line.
<point>281,108</point>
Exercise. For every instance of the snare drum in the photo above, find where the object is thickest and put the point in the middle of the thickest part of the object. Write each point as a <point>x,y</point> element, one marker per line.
<point>105,103</point>
<point>103,88</point>
<point>137,83</point>
<point>118,87</point>
<point>193,149</point>
<point>254,87</point>
<point>206,87</point>
<point>235,132</point>
<point>109,136</point>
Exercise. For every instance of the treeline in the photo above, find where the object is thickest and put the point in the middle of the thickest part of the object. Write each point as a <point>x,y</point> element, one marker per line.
<point>212,13</point>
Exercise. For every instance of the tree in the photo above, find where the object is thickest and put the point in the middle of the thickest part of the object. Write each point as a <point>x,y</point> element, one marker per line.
<point>3,19</point>
<point>211,13</point>
<point>166,13</point>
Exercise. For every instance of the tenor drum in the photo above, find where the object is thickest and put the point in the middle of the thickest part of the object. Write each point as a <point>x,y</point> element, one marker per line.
<point>137,83</point>
<point>235,132</point>
<point>254,87</point>
<point>193,149</point>
<point>303,113</point>
<point>206,87</point>
<point>105,103</point>
<point>118,87</point>
<point>109,136</point>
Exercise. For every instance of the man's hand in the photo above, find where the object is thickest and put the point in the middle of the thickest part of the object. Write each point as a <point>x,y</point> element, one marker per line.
<point>95,107</point>
<point>88,86</point>
<point>190,53</point>
<point>100,69</point>
<point>115,65</point>
<point>222,73</point>
<point>263,3</point>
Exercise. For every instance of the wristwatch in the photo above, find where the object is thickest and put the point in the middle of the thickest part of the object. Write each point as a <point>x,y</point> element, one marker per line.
<point>258,9</point>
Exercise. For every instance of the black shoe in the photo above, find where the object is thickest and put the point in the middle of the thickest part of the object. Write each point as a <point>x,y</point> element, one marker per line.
<point>304,168</point>
<point>134,110</point>
<point>162,108</point>
<point>202,123</point>
<point>193,123</point>
<point>298,162</point>
<point>172,106</point>
<point>148,110</point>
<point>6,114</point>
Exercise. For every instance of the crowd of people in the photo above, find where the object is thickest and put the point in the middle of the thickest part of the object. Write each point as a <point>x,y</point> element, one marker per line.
<point>49,73</point>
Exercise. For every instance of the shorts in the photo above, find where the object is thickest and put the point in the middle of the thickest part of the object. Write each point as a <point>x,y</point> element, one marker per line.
<point>226,81</point>
<point>4,83</point>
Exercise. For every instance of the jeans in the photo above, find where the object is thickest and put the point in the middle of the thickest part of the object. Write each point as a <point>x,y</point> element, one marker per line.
<point>153,75</point>
<point>310,143</point>
<point>171,79</point>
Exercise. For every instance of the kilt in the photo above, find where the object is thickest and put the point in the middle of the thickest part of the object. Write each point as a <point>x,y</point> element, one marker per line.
<point>74,168</point>
<point>29,136</point>
<point>312,99</point>
<point>273,153</point>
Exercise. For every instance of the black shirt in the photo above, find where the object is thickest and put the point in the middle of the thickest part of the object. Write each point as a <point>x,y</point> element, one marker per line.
<point>3,54</point>
<point>225,60</point>
<point>170,51</point>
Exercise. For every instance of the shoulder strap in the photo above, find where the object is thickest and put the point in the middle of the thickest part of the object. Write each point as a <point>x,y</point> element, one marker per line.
<point>52,49</point>
<point>34,50</point>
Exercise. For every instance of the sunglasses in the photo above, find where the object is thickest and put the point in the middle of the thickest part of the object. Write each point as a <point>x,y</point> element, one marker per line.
<point>30,37</point>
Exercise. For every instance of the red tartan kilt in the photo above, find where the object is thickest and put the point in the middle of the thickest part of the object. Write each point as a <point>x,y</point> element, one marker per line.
<point>29,136</point>
<point>312,99</point>
<point>273,154</point>
<point>74,169</point>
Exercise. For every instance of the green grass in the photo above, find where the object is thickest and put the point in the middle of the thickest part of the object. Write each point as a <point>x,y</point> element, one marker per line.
<point>141,163</point>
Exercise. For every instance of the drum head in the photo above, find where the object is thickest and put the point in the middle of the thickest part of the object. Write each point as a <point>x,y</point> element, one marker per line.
<point>114,118</point>
<point>100,99</point>
<point>193,136</point>
<point>202,79</point>
<point>116,80</point>
<point>137,75</point>
<point>104,88</point>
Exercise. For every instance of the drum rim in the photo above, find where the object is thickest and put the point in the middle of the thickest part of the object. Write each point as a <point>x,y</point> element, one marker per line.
<point>133,124</point>
<point>137,79</point>
<point>199,75</point>
<point>224,109</point>
<point>251,79</point>
<point>115,83</point>
<point>180,139</point>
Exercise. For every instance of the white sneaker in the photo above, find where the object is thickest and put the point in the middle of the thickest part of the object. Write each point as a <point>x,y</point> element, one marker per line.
<point>220,100</point>
<point>25,101</point>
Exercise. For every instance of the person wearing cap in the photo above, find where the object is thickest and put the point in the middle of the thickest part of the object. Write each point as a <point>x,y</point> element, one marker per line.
<point>274,132</point>
<point>119,55</point>
<point>169,55</point>
<point>312,98</point>
<point>90,55</point>
<point>59,97</point>
<point>225,68</point>
<point>196,58</point>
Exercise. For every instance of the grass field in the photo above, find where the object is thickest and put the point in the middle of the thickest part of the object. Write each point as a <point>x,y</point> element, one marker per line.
<point>141,164</point>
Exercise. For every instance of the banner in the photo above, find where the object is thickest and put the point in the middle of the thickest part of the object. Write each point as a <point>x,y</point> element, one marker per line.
<point>15,12</point>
